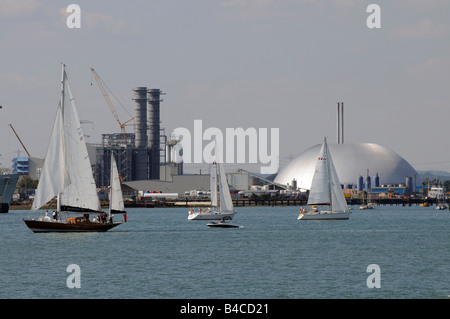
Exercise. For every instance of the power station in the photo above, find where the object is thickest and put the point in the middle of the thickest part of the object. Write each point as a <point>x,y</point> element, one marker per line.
<point>140,155</point>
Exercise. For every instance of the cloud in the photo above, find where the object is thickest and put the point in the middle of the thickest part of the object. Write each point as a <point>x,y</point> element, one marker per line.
<point>107,22</point>
<point>423,29</point>
<point>17,8</point>
<point>430,70</point>
<point>20,79</point>
<point>266,9</point>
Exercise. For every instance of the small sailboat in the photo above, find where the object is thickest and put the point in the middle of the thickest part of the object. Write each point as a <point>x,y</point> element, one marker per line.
<point>326,197</point>
<point>221,203</point>
<point>67,175</point>
<point>223,223</point>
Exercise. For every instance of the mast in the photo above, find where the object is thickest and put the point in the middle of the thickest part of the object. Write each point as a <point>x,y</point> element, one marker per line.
<point>328,173</point>
<point>111,176</point>
<point>213,185</point>
<point>63,71</point>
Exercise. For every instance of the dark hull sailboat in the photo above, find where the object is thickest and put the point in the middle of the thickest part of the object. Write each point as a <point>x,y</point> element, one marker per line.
<point>40,226</point>
<point>67,175</point>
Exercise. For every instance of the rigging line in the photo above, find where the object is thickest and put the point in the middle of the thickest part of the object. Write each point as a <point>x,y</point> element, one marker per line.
<point>112,93</point>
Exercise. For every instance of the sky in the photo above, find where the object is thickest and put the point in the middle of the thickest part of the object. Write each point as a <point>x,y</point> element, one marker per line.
<point>235,63</point>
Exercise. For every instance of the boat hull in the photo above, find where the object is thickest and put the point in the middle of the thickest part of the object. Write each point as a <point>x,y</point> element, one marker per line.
<point>38,226</point>
<point>324,215</point>
<point>222,225</point>
<point>210,216</point>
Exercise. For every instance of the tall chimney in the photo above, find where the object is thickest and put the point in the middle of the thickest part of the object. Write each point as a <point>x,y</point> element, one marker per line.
<point>140,116</point>
<point>340,123</point>
<point>153,132</point>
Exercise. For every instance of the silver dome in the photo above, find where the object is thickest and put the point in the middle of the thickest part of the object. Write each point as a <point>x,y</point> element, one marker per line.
<point>351,161</point>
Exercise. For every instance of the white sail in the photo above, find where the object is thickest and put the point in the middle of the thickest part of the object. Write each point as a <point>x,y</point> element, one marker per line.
<point>325,186</point>
<point>67,170</point>
<point>82,191</point>
<point>339,203</point>
<point>226,204</point>
<point>115,197</point>
<point>319,194</point>
<point>54,176</point>
<point>213,184</point>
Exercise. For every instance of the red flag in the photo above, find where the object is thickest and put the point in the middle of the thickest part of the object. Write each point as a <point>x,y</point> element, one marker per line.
<point>125,217</point>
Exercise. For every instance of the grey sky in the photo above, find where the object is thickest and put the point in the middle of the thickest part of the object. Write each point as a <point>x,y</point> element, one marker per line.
<point>236,63</point>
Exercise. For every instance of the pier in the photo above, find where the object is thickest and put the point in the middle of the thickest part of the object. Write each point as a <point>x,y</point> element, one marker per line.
<point>248,202</point>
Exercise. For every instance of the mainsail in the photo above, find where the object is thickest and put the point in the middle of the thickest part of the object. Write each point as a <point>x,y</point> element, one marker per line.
<point>319,194</point>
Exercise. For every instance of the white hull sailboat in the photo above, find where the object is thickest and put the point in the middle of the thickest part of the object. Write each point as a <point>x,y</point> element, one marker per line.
<point>326,199</point>
<point>67,175</point>
<point>221,203</point>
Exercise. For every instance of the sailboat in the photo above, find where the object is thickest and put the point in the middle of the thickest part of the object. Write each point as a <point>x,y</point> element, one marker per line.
<point>67,175</point>
<point>325,192</point>
<point>223,223</point>
<point>221,203</point>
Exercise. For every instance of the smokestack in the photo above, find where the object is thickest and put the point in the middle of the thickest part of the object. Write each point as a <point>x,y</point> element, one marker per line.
<point>140,116</point>
<point>153,132</point>
<point>340,123</point>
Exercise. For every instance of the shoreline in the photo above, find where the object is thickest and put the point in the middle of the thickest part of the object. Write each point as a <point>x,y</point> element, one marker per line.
<point>248,202</point>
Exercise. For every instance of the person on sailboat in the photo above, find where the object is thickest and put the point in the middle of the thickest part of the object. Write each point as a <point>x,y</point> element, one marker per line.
<point>46,217</point>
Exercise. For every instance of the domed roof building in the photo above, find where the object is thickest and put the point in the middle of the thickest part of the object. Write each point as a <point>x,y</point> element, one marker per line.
<point>351,162</point>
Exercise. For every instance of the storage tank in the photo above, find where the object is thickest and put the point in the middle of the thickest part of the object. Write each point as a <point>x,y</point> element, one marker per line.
<point>376,181</point>
<point>350,161</point>
<point>409,184</point>
<point>360,183</point>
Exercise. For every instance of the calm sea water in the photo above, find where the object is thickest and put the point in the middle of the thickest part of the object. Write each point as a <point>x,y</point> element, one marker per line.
<point>159,254</point>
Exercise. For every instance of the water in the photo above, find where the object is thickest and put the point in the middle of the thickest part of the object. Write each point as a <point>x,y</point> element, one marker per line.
<point>159,254</point>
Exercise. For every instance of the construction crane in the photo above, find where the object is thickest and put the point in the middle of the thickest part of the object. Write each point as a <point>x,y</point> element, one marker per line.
<point>99,82</point>
<point>17,135</point>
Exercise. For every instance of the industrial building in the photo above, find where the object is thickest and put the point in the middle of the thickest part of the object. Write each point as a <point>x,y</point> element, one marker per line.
<point>141,155</point>
<point>144,159</point>
<point>352,161</point>
<point>354,164</point>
